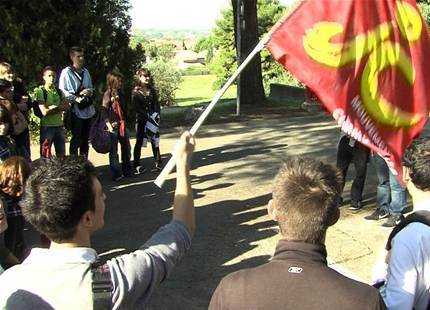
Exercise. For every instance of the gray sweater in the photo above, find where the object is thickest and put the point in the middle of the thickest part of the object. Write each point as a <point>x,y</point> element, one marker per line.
<point>61,278</point>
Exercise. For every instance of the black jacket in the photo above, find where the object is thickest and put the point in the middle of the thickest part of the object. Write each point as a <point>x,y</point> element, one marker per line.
<point>296,278</point>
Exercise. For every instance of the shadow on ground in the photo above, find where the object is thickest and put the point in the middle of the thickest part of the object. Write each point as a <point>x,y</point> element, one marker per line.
<point>236,171</point>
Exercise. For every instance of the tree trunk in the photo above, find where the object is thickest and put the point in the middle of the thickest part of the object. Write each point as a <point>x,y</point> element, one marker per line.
<point>250,82</point>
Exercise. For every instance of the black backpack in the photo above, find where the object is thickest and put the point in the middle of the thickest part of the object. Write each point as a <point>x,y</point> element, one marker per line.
<point>418,216</point>
<point>35,103</point>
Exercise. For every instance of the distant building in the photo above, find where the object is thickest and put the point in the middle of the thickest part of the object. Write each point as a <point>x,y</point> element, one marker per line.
<point>188,58</point>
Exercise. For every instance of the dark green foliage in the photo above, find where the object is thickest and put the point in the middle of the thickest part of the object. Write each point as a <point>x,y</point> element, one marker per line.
<point>37,33</point>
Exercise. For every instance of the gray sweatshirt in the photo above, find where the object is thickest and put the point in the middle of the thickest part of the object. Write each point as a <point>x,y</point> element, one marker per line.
<point>61,278</point>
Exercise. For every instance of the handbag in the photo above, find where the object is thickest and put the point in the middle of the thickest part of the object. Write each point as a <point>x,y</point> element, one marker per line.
<point>100,136</point>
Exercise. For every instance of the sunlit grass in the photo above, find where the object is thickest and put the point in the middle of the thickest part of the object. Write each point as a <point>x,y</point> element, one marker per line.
<point>196,89</point>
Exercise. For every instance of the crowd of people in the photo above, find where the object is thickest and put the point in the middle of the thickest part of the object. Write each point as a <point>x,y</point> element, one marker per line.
<point>71,106</point>
<point>67,273</point>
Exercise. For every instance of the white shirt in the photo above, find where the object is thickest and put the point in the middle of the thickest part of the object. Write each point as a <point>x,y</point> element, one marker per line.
<point>408,274</point>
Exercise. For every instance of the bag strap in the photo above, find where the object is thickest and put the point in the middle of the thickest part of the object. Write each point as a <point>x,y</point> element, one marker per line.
<point>101,285</point>
<point>419,217</point>
<point>79,77</point>
<point>45,94</point>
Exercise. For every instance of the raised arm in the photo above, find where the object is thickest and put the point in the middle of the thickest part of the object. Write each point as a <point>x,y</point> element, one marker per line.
<point>183,205</point>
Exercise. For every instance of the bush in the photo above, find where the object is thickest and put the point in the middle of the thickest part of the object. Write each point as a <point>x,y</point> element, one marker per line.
<point>166,80</point>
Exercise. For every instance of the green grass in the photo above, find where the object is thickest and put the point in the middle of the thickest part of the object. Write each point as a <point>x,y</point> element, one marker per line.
<point>196,89</point>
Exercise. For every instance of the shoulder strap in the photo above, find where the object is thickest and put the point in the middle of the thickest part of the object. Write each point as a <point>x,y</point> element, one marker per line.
<point>419,216</point>
<point>45,94</point>
<point>59,92</point>
<point>79,77</point>
<point>101,285</point>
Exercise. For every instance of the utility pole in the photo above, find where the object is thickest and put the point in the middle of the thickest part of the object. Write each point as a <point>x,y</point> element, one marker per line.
<point>240,26</point>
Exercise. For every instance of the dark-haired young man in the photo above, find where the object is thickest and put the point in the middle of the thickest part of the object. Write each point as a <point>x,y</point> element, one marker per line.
<point>75,82</point>
<point>51,104</point>
<point>305,203</point>
<point>407,274</point>
<point>61,277</point>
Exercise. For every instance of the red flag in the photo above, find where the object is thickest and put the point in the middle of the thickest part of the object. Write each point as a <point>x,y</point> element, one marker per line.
<point>369,63</point>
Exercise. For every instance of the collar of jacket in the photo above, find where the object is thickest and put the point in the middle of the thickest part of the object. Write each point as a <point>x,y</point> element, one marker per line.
<point>300,251</point>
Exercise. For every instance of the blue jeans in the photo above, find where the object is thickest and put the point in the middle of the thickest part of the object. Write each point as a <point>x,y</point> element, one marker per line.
<point>53,135</point>
<point>115,167</point>
<point>390,194</point>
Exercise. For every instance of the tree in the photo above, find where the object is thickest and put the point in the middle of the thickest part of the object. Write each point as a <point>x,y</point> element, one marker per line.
<point>250,83</point>
<point>39,33</point>
<point>166,80</point>
<point>205,44</point>
<point>224,63</point>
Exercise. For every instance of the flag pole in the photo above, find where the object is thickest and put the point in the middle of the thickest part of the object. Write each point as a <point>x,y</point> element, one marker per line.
<point>159,181</point>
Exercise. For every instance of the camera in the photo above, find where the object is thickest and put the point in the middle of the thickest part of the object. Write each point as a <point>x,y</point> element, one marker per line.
<point>85,102</point>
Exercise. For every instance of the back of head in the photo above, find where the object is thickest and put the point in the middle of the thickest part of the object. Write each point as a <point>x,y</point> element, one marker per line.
<point>417,159</point>
<point>57,194</point>
<point>306,195</point>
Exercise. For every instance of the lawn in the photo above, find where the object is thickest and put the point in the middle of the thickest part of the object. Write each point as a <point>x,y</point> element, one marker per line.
<point>198,89</point>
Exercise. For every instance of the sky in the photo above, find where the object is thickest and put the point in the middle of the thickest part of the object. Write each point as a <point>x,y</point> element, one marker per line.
<point>177,14</point>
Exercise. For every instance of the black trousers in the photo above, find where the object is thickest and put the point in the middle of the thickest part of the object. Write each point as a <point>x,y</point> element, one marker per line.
<point>140,135</point>
<point>80,136</point>
<point>359,156</point>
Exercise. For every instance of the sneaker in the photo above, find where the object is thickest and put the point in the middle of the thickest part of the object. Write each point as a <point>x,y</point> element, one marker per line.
<point>355,206</point>
<point>393,220</point>
<point>378,214</point>
<point>139,170</point>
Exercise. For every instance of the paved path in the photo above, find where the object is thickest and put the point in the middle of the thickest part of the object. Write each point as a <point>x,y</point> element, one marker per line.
<point>233,167</point>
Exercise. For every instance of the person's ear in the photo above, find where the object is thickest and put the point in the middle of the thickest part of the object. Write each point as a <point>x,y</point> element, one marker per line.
<point>334,216</point>
<point>87,219</point>
<point>405,175</point>
<point>271,210</point>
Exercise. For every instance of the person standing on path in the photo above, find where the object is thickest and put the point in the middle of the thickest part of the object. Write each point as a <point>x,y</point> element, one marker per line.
<point>390,195</point>
<point>51,104</point>
<point>351,151</point>
<point>114,113</point>
<point>75,82</point>
<point>144,98</point>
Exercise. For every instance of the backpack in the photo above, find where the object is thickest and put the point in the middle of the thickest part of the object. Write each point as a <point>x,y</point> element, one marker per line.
<point>418,216</point>
<point>35,103</point>
<point>101,285</point>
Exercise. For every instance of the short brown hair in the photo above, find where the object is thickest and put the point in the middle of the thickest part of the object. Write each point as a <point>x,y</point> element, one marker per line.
<point>306,195</point>
<point>48,68</point>
<point>75,49</point>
